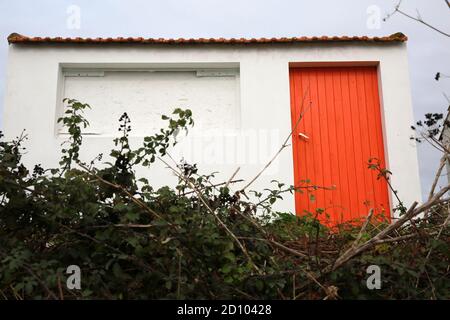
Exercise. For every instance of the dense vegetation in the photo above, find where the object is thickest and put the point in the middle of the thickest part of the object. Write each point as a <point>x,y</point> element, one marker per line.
<point>198,239</point>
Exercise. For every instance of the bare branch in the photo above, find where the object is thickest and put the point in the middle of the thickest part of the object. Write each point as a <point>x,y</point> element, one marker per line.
<point>221,223</point>
<point>137,201</point>
<point>217,185</point>
<point>418,18</point>
<point>284,145</point>
<point>363,228</point>
<point>437,176</point>
<point>232,177</point>
<point>447,220</point>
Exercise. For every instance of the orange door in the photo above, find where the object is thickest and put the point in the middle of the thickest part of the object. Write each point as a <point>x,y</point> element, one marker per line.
<point>339,132</point>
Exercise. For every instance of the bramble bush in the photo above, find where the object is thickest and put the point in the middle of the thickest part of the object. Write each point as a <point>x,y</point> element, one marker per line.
<point>196,240</point>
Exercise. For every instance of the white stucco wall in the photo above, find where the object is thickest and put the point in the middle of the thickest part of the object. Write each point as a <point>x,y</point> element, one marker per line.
<point>34,92</point>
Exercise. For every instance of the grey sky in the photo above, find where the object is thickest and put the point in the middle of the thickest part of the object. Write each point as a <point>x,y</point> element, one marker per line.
<point>429,51</point>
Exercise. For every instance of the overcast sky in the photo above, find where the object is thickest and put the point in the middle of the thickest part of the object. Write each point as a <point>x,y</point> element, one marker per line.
<point>429,51</point>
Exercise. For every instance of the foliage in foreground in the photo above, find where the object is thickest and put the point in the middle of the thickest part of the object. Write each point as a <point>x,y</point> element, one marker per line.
<point>198,240</point>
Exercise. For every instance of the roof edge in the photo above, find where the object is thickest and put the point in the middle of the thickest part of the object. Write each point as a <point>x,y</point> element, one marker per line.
<point>16,38</point>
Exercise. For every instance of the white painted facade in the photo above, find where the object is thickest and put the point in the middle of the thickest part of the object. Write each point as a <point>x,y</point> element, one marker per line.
<point>444,137</point>
<point>239,95</point>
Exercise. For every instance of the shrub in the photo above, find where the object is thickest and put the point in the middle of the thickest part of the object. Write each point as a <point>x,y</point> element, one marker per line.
<point>196,240</point>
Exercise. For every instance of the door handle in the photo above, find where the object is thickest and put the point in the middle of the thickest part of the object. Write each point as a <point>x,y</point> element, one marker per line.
<point>302,135</point>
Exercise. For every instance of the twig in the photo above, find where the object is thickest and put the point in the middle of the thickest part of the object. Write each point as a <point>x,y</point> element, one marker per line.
<point>179,275</point>
<point>418,18</point>
<point>277,244</point>
<point>15,293</point>
<point>431,249</point>
<point>284,145</point>
<point>353,251</point>
<point>363,228</point>
<point>437,176</point>
<point>397,239</point>
<point>34,275</point>
<point>232,177</point>
<point>412,212</point>
<point>132,225</point>
<point>245,293</point>
<point>129,195</point>
<point>129,257</point>
<point>61,295</point>
<point>293,287</point>
<point>221,223</point>
<point>4,295</point>
<point>216,185</point>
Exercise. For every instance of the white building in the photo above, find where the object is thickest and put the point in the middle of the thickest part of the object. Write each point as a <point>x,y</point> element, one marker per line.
<point>246,96</point>
<point>444,137</point>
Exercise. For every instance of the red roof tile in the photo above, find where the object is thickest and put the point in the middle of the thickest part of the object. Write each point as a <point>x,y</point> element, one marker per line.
<point>18,38</point>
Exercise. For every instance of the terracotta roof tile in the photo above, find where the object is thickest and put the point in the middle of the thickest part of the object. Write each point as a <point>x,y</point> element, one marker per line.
<point>18,38</point>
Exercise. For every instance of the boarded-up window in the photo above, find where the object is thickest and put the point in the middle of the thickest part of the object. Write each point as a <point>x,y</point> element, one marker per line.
<point>212,95</point>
